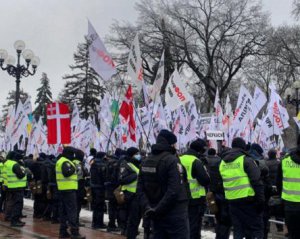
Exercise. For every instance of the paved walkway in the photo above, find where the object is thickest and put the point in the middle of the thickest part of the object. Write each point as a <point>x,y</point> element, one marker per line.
<point>39,229</point>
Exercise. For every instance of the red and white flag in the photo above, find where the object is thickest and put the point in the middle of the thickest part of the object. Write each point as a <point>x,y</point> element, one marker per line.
<point>58,123</point>
<point>126,111</point>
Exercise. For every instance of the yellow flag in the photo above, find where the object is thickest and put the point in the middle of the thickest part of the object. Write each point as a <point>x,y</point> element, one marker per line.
<point>298,116</point>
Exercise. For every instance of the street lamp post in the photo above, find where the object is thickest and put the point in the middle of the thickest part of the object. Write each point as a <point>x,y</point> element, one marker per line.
<point>18,71</point>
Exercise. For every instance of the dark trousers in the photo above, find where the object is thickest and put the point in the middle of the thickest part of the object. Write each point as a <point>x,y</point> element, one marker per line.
<point>98,204</point>
<point>113,212</point>
<point>247,221</point>
<point>292,219</point>
<point>80,194</point>
<point>134,218</point>
<point>223,219</point>
<point>68,211</point>
<point>15,205</point>
<point>40,205</point>
<point>54,203</point>
<point>174,224</point>
<point>2,198</point>
<point>196,213</point>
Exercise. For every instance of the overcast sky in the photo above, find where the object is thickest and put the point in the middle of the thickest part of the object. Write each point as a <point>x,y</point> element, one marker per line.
<point>53,28</point>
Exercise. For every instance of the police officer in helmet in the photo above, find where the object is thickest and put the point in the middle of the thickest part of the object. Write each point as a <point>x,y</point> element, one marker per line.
<point>163,190</point>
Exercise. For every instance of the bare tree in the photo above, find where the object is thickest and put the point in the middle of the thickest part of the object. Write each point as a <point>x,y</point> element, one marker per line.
<point>296,9</point>
<point>211,37</point>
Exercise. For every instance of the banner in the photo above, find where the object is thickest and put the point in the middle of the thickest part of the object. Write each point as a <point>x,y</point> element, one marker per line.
<point>214,135</point>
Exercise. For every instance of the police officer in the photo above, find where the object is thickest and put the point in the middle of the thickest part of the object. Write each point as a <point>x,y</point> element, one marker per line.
<point>112,177</point>
<point>129,171</point>
<point>222,215</point>
<point>52,190</point>
<point>81,174</point>
<point>198,179</point>
<point>98,174</point>
<point>15,182</point>
<point>288,184</point>
<point>244,190</point>
<point>67,184</point>
<point>162,189</point>
<point>39,172</point>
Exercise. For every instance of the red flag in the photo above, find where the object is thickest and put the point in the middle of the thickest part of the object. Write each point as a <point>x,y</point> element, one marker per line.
<point>126,111</point>
<point>125,107</point>
<point>58,123</point>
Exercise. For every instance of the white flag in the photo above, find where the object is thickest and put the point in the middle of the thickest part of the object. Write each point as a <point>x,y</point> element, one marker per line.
<point>20,124</point>
<point>279,113</point>
<point>259,100</point>
<point>243,112</point>
<point>159,78</point>
<point>218,111</point>
<point>27,106</point>
<point>176,92</point>
<point>100,59</point>
<point>134,64</point>
<point>75,117</point>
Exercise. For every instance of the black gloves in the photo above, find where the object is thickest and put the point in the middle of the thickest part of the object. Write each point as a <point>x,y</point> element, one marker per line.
<point>150,212</point>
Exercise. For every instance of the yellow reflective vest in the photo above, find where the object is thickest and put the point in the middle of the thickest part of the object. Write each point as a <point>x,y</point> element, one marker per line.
<point>290,180</point>
<point>65,183</point>
<point>196,189</point>
<point>236,182</point>
<point>10,180</point>
<point>131,187</point>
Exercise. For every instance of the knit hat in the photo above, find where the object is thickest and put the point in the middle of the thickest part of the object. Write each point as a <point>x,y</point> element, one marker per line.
<point>198,145</point>
<point>93,152</point>
<point>68,152</point>
<point>168,135</point>
<point>79,155</point>
<point>238,143</point>
<point>132,151</point>
<point>257,148</point>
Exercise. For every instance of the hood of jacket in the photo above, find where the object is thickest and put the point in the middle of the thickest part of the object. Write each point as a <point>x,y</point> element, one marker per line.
<point>295,155</point>
<point>232,154</point>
